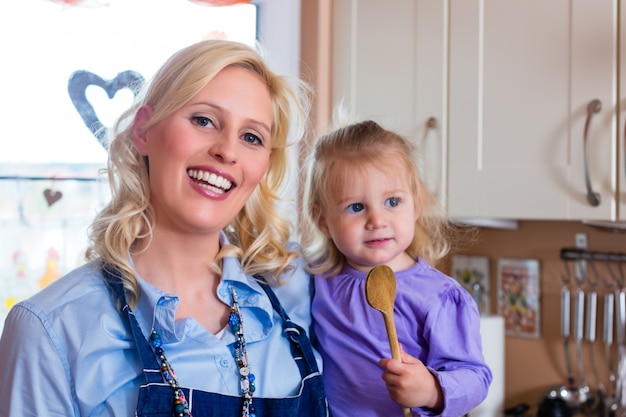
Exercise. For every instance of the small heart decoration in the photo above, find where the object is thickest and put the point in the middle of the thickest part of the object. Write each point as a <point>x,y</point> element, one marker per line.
<point>52,196</point>
<point>77,86</point>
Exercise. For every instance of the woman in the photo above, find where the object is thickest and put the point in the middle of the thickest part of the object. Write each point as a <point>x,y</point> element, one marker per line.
<point>179,263</point>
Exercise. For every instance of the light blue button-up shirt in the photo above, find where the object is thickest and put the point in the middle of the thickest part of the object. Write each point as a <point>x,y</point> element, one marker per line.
<point>67,351</point>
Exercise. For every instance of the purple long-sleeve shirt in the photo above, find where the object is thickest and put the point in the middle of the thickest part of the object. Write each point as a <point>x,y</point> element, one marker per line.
<point>437,321</point>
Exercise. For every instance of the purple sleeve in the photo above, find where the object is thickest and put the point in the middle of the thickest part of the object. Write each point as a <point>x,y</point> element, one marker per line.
<point>455,352</point>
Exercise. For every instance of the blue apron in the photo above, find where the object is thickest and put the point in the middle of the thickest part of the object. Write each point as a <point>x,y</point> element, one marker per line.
<point>155,396</point>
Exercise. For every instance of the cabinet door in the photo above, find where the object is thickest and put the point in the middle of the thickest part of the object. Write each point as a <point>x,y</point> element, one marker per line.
<point>522,74</point>
<point>621,128</point>
<point>389,65</point>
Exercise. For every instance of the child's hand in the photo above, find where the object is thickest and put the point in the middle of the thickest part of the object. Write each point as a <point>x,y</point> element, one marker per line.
<point>410,383</point>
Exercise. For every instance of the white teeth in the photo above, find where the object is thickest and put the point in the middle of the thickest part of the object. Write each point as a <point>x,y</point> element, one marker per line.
<point>214,182</point>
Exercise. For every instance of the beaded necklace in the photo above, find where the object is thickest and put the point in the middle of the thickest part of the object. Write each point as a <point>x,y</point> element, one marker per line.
<point>180,407</point>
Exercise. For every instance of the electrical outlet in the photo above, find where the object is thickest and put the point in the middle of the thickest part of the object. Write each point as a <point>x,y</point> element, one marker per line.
<point>580,240</point>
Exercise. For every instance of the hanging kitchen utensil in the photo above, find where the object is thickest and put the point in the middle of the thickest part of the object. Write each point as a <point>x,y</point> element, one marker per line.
<point>597,398</point>
<point>620,369</point>
<point>587,400</point>
<point>610,304</point>
<point>592,313</point>
<point>565,329</point>
<point>380,293</point>
<point>610,405</point>
<point>565,400</point>
<point>579,315</point>
<point>620,330</point>
<point>607,335</point>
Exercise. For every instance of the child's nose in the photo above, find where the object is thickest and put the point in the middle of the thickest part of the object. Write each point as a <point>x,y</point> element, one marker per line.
<point>376,219</point>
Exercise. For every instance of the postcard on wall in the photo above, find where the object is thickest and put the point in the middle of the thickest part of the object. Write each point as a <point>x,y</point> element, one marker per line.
<point>472,272</point>
<point>518,296</point>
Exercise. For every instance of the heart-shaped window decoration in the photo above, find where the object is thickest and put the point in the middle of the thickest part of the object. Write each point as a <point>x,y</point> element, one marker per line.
<point>77,86</point>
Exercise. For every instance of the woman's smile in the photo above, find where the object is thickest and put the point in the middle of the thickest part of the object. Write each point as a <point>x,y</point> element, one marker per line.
<point>210,181</point>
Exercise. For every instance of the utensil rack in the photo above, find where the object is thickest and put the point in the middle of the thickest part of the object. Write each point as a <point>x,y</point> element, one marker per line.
<point>587,295</point>
<point>576,254</point>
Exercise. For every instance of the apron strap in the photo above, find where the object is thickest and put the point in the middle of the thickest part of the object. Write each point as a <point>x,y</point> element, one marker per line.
<point>301,348</point>
<point>151,368</point>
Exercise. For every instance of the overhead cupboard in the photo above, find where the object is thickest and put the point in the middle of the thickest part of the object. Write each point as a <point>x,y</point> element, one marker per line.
<point>389,65</point>
<point>517,105</point>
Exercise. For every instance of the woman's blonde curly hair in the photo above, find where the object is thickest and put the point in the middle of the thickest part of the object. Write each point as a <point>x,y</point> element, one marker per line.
<point>259,232</point>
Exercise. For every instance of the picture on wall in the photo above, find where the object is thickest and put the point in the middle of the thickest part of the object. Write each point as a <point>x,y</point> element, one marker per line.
<point>472,272</point>
<point>518,296</point>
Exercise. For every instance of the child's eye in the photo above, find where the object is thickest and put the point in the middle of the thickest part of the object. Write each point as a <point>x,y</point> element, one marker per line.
<point>203,121</point>
<point>392,202</point>
<point>355,207</point>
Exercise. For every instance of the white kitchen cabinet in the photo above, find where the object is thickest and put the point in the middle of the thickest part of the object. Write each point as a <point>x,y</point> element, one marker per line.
<point>390,65</point>
<point>508,85</point>
<point>522,75</point>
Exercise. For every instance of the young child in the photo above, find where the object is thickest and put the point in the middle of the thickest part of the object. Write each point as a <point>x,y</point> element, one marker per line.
<point>364,205</point>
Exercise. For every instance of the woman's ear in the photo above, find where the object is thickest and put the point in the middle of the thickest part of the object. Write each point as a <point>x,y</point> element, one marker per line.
<point>140,138</point>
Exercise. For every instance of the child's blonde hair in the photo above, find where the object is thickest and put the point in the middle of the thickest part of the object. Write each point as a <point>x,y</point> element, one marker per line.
<point>343,153</point>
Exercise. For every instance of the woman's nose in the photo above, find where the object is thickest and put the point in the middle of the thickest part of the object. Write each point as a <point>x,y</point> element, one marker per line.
<point>225,148</point>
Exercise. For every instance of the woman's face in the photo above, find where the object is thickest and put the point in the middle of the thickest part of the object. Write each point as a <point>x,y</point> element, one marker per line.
<point>207,158</point>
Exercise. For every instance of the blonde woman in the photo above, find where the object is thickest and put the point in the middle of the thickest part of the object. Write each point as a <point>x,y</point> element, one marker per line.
<point>178,311</point>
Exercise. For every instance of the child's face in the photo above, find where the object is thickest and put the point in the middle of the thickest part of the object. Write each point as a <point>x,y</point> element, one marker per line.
<point>372,218</point>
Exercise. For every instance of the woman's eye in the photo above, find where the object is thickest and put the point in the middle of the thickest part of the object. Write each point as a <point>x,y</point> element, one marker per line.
<point>392,202</point>
<point>355,208</point>
<point>203,121</point>
<point>251,138</point>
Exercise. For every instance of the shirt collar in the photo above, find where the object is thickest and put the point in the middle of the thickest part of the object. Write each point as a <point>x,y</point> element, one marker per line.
<point>156,308</point>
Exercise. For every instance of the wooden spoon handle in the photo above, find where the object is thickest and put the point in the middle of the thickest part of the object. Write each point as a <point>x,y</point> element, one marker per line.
<point>392,336</point>
<point>390,325</point>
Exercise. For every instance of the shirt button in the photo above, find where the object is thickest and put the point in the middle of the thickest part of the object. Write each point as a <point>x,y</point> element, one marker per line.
<point>252,300</point>
<point>224,362</point>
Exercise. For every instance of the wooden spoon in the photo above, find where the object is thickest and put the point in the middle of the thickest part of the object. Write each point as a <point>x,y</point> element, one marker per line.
<point>380,293</point>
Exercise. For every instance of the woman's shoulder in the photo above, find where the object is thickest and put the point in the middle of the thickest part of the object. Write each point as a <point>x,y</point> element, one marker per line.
<point>82,290</point>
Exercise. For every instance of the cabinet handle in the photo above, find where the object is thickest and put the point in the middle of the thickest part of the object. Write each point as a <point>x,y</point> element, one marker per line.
<point>434,183</point>
<point>593,107</point>
<point>431,123</point>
